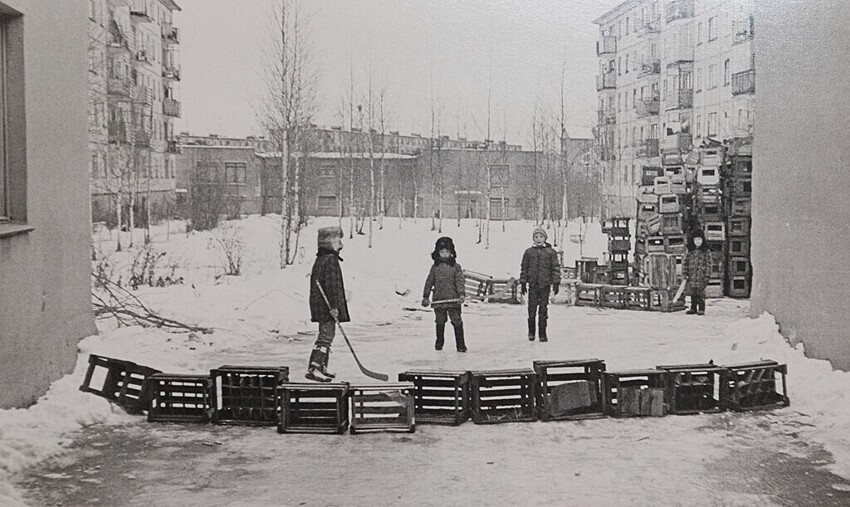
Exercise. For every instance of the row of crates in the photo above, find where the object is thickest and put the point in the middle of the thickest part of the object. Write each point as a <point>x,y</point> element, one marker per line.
<point>627,298</point>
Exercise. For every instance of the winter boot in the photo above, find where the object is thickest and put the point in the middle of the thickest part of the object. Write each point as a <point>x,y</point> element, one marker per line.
<point>541,331</point>
<point>324,368</point>
<point>531,329</point>
<point>459,341</point>
<point>314,370</point>
<point>441,336</point>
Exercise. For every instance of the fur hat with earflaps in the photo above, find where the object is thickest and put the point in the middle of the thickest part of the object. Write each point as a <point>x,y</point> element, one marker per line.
<point>326,236</point>
<point>444,242</point>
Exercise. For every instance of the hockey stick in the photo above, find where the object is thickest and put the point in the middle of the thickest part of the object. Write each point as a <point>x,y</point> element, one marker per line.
<point>366,371</point>
<point>446,301</point>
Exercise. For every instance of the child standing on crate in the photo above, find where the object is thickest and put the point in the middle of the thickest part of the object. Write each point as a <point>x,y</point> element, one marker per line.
<point>327,301</point>
<point>446,281</point>
<point>539,270</point>
<point>696,269</point>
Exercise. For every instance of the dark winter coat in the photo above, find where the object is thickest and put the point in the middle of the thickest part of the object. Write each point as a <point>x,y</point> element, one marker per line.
<point>696,267</point>
<point>446,280</point>
<point>327,271</point>
<point>540,266</point>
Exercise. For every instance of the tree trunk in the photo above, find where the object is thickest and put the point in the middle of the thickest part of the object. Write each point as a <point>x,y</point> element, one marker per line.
<point>285,212</point>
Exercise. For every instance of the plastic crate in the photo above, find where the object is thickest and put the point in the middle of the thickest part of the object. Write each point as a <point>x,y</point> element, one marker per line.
<point>712,157</point>
<point>648,175</point>
<point>500,396</point>
<point>247,394</point>
<point>439,397</point>
<point>696,388</point>
<point>635,393</point>
<point>714,289</point>
<point>679,187</point>
<point>675,244</point>
<point>655,244</point>
<point>708,176</point>
<point>637,298</point>
<point>619,277</point>
<point>671,223</point>
<point>569,389</point>
<point>382,407</point>
<point>668,203</point>
<point>661,185</point>
<point>710,211</point>
<point>313,408</point>
<point>676,173</point>
<point>647,208</point>
<point>715,231</point>
<point>585,267</point>
<point>757,386</point>
<point>619,244</point>
<point>179,397</point>
<point>118,381</point>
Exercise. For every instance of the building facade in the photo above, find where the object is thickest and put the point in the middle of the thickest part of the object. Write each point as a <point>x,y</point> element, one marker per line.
<point>134,77</point>
<point>45,294</point>
<point>672,74</point>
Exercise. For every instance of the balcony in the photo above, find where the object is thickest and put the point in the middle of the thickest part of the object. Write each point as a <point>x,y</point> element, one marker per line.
<point>744,82</point>
<point>650,67</point>
<point>140,11</point>
<point>171,107</point>
<point>647,148</point>
<point>680,141</point>
<point>607,81</point>
<point>172,147</point>
<point>119,87</point>
<point>117,132</point>
<point>742,30</point>
<point>607,45</point>
<point>171,71</point>
<point>170,34</point>
<point>680,99</point>
<point>607,117</point>
<point>680,9</point>
<point>649,26</point>
<point>647,107</point>
<point>144,56</point>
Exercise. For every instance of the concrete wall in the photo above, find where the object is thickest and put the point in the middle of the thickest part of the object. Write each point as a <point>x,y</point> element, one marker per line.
<point>801,182</point>
<point>45,301</point>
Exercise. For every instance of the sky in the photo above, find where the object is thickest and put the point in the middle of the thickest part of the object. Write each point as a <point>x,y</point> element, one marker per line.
<point>456,51</point>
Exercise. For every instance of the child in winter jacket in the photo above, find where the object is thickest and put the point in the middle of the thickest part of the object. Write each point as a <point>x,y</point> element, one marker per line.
<point>696,269</point>
<point>446,281</point>
<point>327,305</point>
<point>540,270</point>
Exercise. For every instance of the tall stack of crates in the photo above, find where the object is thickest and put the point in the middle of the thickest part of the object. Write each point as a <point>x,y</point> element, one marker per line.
<point>619,245</point>
<point>738,187</point>
<point>708,211</point>
<point>662,212</point>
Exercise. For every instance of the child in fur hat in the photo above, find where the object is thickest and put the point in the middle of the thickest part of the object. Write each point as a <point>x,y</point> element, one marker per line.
<point>539,270</point>
<point>447,283</point>
<point>696,269</point>
<point>326,273</point>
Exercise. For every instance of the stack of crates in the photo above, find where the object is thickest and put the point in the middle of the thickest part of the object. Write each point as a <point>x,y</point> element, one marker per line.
<point>619,245</point>
<point>708,210</point>
<point>738,187</point>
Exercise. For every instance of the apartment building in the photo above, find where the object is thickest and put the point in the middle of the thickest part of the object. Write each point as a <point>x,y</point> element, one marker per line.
<point>672,74</point>
<point>134,76</point>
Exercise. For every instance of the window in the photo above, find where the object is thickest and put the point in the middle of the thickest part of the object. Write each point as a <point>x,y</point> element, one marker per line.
<point>627,25</point>
<point>712,124</point>
<point>627,63</point>
<point>499,175</point>
<point>634,98</point>
<point>712,76</point>
<point>698,86</point>
<point>699,125</point>
<point>620,66</point>
<point>699,33</point>
<point>327,170</point>
<point>327,203</point>
<point>712,28</point>
<point>234,172</point>
<point>726,72</point>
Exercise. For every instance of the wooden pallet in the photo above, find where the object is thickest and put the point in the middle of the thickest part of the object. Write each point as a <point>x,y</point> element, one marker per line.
<point>500,396</point>
<point>382,407</point>
<point>179,397</point>
<point>635,393</point>
<point>696,388</point>
<point>118,381</point>
<point>759,385</point>
<point>247,394</point>
<point>569,389</point>
<point>313,408</point>
<point>439,397</point>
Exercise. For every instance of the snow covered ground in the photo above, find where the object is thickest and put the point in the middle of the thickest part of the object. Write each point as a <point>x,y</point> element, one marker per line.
<point>262,318</point>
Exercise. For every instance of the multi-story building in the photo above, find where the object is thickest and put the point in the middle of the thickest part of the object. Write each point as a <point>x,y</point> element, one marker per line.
<point>134,75</point>
<point>672,73</point>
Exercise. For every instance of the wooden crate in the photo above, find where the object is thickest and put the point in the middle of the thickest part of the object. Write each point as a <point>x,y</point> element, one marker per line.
<point>439,397</point>
<point>661,185</point>
<point>668,203</point>
<point>708,176</point>
<point>648,175</point>
<point>757,386</point>
<point>247,394</point>
<point>635,393</point>
<point>382,407</point>
<point>637,298</point>
<point>738,226</point>
<point>741,187</point>
<point>618,276</point>
<point>487,288</point>
<point>118,381</point>
<point>696,388</point>
<point>715,231</point>
<point>655,244</point>
<point>675,244</point>
<point>671,223</point>
<point>569,389</point>
<point>679,187</point>
<point>740,206</point>
<point>588,294</point>
<point>179,397</point>
<point>613,296</point>
<point>312,407</point>
<point>739,287</point>
<point>661,300</point>
<point>710,211</point>
<point>739,246</point>
<point>500,396</point>
<point>714,288</point>
<point>619,244</point>
<point>739,266</point>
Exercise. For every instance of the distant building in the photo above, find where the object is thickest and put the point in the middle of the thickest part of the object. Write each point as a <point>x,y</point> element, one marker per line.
<point>45,226</point>
<point>672,73</point>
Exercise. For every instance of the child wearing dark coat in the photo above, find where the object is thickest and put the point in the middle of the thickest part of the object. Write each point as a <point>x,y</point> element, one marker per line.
<point>539,271</point>
<point>326,273</point>
<point>446,281</point>
<point>696,270</point>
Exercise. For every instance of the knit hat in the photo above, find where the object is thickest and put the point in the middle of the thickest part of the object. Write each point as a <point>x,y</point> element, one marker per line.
<point>326,236</point>
<point>542,231</point>
<point>444,242</point>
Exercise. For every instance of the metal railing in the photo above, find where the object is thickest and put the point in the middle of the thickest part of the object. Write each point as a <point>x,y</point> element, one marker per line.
<point>606,45</point>
<point>122,87</point>
<point>647,107</point>
<point>650,67</point>
<point>170,33</point>
<point>680,99</point>
<point>171,71</point>
<point>744,82</point>
<point>171,107</point>
<point>606,81</point>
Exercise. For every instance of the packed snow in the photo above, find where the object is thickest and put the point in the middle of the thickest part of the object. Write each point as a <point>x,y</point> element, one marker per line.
<point>262,318</point>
